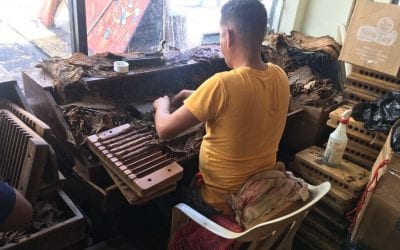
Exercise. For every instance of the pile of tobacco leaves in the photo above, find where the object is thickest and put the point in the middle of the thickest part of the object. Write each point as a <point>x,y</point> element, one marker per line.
<point>87,120</point>
<point>45,214</point>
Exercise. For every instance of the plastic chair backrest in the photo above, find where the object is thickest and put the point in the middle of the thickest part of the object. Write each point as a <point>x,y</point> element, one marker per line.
<point>276,234</point>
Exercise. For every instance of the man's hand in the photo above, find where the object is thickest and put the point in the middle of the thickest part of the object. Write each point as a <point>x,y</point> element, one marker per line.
<point>161,103</point>
<point>177,101</point>
<point>170,125</point>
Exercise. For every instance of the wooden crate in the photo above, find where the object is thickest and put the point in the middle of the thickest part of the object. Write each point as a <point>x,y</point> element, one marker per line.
<point>363,146</point>
<point>335,219</point>
<point>367,87</point>
<point>147,171</point>
<point>369,137</point>
<point>363,85</point>
<point>41,128</point>
<point>59,236</point>
<point>130,195</point>
<point>367,75</point>
<point>335,195</point>
<point>322,226</point>
<point>349,178</point>
<point>306,129</point>
<point>50,175</point>
<point>355,127</point>
<point>336,199</point>
<point>23,155</point>
<point>355,153</point>
<point>41,173</point>
<point>353,96</point>
<point>303,243</point>
<point>316,239</point>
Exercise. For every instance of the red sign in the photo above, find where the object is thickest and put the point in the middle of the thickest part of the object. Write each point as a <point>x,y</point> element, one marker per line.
<point>111,24</point>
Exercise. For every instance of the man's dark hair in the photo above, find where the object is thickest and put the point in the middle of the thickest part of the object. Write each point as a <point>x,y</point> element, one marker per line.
<point>249,18</point>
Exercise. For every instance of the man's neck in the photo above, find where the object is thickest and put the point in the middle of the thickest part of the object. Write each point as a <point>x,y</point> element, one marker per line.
<point>250,60</point>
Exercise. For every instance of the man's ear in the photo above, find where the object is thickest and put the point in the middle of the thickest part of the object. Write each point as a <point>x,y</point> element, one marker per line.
<point>230,38</point>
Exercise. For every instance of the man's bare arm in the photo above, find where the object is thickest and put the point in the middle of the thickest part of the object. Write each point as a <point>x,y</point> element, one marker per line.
<point>170,125</point>
<point>20,216</point>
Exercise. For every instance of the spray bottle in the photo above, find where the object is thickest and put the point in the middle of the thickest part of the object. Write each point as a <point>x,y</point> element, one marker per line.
<point>337,142</point>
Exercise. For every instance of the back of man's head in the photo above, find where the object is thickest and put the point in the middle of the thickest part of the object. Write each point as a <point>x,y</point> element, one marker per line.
<point>248,18</point>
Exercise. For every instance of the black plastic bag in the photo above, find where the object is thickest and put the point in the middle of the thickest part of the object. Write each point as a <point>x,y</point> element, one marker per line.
<point>396,140</point>
<point>381,114</point>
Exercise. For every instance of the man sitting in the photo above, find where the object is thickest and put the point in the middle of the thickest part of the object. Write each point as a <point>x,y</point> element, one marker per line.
<point>244,109</point>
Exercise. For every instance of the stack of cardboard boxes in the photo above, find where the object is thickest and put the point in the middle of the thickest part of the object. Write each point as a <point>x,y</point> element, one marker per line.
<point>372,47</point>
<point>325,227</point>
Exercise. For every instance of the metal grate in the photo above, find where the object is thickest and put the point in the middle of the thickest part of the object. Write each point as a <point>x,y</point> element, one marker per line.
<point>135,157</point>
<point>23,155</point>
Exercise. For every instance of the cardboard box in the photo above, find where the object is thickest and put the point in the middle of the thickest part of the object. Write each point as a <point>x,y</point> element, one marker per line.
<point>378,223</point>
<point>373,39</point>
<point>309,128</point>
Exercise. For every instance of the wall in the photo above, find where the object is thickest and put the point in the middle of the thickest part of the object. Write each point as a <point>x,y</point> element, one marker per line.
<point>315,17</point>
<point>322,17</point>
<point>292,12</point>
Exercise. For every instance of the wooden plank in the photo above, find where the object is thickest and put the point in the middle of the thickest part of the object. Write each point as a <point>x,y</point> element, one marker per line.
<point>348,177</point>
<point>130,194</point>
<point>356,126</point>
<point>355,153</point>
<point>369,88</point>
<point>370,149</point>
<point>354,96</point>
<point>50,177</point>
<point>321,241</point>
<point>148,172</point>
<point>325,228</point>
<point>59,236</point>
<point>39,90</point>
<point>303,243</point>
<point>371,138</point>
<point>23,153</point>
<point>382,84</point>
<point>41,128</point>
<point>375,77</point>
<point>335,199</point>
<point>335,219</point>
<point>335,194</point>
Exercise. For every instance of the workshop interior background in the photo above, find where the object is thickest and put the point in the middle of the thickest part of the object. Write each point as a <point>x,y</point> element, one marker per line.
<point>58,85</point>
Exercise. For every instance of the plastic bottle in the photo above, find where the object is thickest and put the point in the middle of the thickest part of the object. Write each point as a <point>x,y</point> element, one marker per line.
<point>337,142</point>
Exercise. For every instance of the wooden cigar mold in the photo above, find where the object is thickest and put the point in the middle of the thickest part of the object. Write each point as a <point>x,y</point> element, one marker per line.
<point>135,157</point>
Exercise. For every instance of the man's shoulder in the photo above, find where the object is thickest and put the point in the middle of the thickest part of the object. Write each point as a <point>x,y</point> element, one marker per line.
<point>226,76</point>
<point>277,68</point>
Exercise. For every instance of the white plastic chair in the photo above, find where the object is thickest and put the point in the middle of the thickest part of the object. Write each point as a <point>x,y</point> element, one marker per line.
<point>273,234</point>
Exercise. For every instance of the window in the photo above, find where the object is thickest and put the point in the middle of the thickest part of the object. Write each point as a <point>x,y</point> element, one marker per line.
<point>133,25</point>
<point>31,30</point>
<point>190,21</point>
<point>36,29</point>
<point>124,25</point>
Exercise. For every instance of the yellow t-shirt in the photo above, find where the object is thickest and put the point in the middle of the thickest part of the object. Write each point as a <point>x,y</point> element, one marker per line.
<point>245,113</point>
